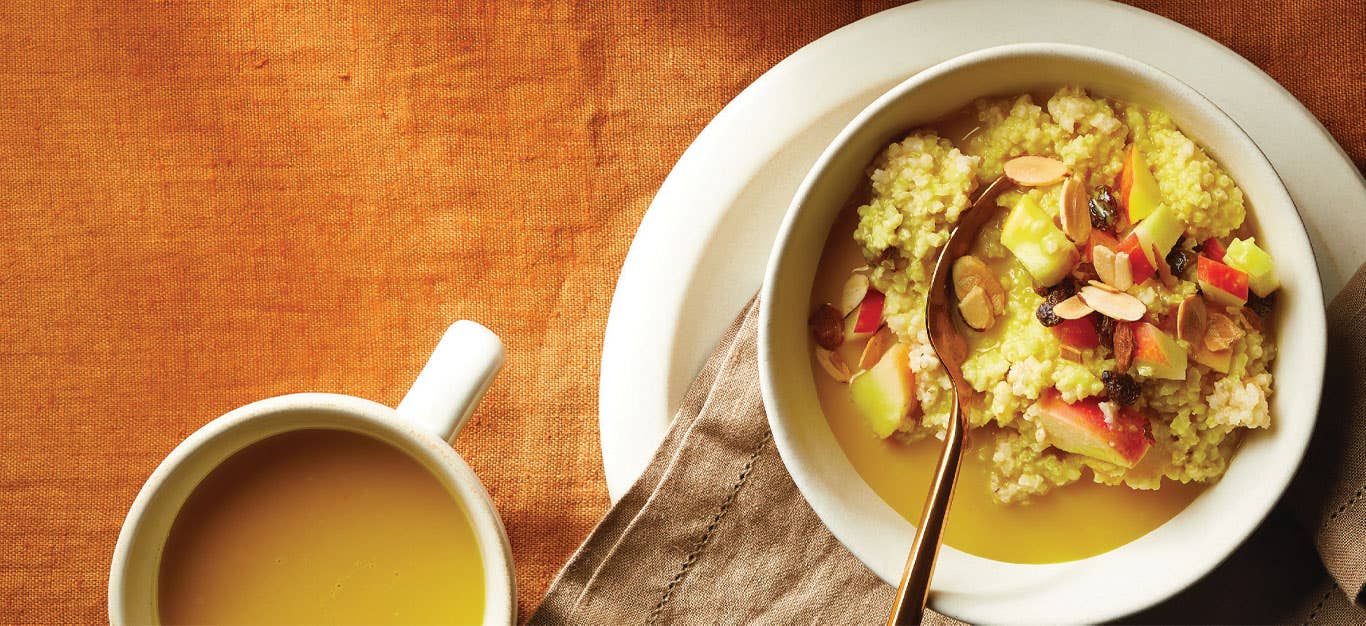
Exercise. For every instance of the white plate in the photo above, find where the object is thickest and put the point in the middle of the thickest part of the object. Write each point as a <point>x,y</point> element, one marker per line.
<point>701,249</point>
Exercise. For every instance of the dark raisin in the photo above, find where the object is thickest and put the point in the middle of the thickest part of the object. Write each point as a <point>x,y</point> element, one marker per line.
<point>1061,291</point>
<point>1259,305</point>
<point>1046,315</point>
<point>1105,329</point>
<point>1179,259</point>
<point>1122,388</point>
<point>1103,209</point>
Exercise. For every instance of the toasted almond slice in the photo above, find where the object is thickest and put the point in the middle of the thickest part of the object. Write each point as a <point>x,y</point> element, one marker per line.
<point>1164,271</point>
<point>1191,320</point>
<point>1120,306</point>
<point>855,287</point>
<point>1221,332</point>
<point>1035,171</point>
<point>1253,320</point>
<point>1070,353</point>
<point>1103,259</point>
<point>1123,342</point>
<point>969,271</point>
<point>1074,212</point>
<point>1072,309</point>
<point>976,309</point>
<point>1102,286</point>
<point>827,326</point>
<point>833,364</point>
<point>1124,272</point>
<point>877,346</point>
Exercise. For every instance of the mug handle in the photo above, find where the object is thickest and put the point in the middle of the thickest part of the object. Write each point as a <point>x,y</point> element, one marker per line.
<point>456,376</point>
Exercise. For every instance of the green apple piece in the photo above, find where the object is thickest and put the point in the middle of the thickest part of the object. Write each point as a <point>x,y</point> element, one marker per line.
<point>885,393</point>
<point>1157,354</point>
<point>1040,246</point>
<point>1246,255</point>
<point>1161,228</point>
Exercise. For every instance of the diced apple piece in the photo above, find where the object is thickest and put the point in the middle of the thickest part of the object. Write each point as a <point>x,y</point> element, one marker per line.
<point>1213,249</point>
<point>1043,249</point>
<point>1083,428</point>
<point>865,319</point>
<point>1078,333</point>
<point>1247,256</point>
<point>1157,354</point>
<point>1140,259</point>
<point>1218,361</point>
<point>1138,191</point>
<point>886,393</point>
<point>1161,228</point>
<point>1221,283</point>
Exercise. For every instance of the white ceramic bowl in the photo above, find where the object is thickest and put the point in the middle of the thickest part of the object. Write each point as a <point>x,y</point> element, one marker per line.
<point>1134,576</point>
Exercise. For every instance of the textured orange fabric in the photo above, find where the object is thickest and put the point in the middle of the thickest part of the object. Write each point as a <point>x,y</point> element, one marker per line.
<point>207,203</point>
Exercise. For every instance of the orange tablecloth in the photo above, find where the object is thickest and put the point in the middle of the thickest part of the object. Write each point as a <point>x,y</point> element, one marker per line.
<point>207,203</point>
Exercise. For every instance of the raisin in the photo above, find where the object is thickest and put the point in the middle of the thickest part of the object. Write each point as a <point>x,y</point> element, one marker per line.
<point>1046,315</point>
<point>1103,209</point>
<point>1061,291</point>
<point>1259,305</point>
<point>1105,328</point>
<point>1180,258</point>
<point>1121,387</point>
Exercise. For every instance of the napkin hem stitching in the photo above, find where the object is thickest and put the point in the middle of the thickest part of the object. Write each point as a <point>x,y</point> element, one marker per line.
<point>702,543</point>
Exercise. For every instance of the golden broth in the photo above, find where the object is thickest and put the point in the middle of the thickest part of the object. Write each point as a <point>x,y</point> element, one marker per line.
<point>321,526</point>
<point>1072,522</point>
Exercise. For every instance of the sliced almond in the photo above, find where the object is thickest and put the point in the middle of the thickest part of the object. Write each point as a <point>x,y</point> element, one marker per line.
<point>1124,347</point>
<point>833,364</point>
<point>976,309</point>
<point>1253,320</point>
<point>827,326</point>
<point>1124,272</point>
<point>969,271</point>
<point>1102,286</point>
<point>1104,260</point>
<point>1070,353</point>
<point>1074,211</point>
<point>1072,309</point>
<point>1035,171</point>
<point>1164,270</point>
<point>877,346</point>
<point>1191,320</point>
<point>855,288</point>
<point>1120,306</point>
<point>1221,332</point>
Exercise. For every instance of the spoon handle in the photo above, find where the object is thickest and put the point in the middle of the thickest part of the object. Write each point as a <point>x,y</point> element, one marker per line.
<point>915,581</point>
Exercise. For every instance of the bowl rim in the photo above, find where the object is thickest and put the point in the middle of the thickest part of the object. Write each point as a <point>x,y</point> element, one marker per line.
<point>785,439</point>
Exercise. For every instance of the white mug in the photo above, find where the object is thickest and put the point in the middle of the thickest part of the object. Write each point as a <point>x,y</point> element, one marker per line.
<point>429,417</point>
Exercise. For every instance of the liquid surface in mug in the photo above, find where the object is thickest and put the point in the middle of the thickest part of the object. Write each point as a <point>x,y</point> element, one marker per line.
<point>321,526</point>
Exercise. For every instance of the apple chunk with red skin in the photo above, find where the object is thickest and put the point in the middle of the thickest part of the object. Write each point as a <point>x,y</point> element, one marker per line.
<point>1082,428</point>
<point>866,318</point>
<point>1080,334</point>
<point>1140,260</point>
<point>1157,354</point>
<point>885,393</point>
<point>1221,283</point>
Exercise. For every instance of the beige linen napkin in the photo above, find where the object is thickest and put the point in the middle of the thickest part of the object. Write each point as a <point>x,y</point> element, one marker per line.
<point>715,531</point>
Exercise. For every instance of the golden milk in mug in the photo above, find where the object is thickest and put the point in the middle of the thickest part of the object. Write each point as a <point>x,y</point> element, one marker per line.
<point>321,508</point>
<point>320,526</point>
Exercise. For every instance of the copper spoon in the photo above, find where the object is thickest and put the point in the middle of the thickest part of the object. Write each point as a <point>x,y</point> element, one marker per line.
<point>952,350</point>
